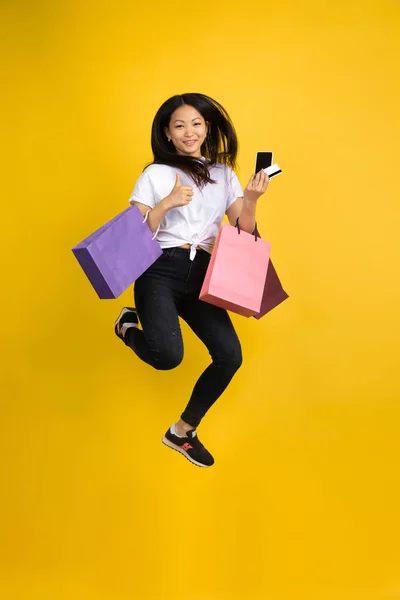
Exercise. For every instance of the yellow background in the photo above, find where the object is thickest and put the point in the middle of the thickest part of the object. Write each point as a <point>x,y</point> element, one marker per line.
<point>303,502</point>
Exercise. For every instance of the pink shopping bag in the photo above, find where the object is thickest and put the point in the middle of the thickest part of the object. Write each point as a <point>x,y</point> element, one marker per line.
<point>274,294</point>
<point>236,275</point>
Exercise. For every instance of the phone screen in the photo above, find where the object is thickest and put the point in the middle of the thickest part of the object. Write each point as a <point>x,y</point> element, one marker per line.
<point>263,160</point>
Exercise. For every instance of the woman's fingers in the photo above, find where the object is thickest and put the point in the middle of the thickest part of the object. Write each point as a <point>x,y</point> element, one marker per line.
<point>263,182</point>
<point>258,183</point>
<point>251,182</point>
<point>266,181</point>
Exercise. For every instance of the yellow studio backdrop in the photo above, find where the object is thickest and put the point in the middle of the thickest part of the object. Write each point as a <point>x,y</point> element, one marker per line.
<point>303,501</point>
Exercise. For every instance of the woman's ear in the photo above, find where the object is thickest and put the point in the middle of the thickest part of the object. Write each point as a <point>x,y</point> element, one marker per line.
<point>166,131</point>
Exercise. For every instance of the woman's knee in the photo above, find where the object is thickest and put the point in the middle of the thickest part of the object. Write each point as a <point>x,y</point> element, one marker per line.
<point>231,357</point>
<point>168,360</point>
<point>237,358</point>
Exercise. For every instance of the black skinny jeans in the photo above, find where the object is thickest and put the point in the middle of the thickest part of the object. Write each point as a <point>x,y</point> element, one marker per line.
<point>170,289</point>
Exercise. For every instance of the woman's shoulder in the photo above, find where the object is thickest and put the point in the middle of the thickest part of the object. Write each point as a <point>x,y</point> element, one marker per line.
<point>155,173</point>
<point>159,173</point>
<point>156,169</point>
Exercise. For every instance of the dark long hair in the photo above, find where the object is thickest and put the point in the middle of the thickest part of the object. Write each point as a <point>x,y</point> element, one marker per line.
<point>220,145</point>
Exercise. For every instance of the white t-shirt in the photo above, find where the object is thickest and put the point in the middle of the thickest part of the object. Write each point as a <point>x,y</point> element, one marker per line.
<point>199,222</point>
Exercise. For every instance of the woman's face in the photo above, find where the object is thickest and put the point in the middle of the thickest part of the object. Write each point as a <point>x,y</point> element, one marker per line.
<point>187,130</point>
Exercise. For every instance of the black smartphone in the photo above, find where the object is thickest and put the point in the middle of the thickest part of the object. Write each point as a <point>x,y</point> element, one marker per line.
<point>263,160</point>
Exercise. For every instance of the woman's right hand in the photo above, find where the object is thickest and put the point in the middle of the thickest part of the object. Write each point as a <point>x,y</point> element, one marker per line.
<point>181,195</point>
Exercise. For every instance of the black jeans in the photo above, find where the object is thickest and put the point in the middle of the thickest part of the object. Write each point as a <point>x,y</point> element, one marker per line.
<point>170,289</point>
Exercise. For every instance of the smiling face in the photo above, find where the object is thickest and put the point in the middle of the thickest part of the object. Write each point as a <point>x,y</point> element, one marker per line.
<point>187,130</point>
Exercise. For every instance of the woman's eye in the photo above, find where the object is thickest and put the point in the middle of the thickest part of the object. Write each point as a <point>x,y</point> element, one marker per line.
<point>179,126</point>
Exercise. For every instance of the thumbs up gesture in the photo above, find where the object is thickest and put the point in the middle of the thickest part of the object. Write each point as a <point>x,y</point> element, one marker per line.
<point>180,195</point>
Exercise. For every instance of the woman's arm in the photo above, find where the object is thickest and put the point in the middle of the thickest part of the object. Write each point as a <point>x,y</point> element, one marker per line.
<point>244,208</point>
<point>181,195</point>
<point>156,214</point>
<point>245,212</point>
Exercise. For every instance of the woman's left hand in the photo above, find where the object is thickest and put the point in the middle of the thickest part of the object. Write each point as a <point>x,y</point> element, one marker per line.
<point>257,186</point>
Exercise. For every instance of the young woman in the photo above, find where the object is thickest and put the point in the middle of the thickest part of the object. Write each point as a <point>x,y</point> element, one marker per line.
<point>185,194</point>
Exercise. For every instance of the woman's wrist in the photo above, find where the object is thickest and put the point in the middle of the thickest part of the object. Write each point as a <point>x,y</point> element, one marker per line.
<point>249,199</point>
<point>166,204</point>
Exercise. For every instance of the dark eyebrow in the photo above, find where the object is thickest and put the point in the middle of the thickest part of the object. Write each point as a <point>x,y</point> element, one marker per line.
<point>182,121</point>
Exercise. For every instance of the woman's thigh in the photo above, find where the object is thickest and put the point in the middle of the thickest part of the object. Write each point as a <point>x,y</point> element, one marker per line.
<point>214,328</point>
<point>156,306</point>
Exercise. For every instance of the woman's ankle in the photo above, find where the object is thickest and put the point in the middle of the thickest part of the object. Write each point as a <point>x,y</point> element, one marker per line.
<point>182,428</point>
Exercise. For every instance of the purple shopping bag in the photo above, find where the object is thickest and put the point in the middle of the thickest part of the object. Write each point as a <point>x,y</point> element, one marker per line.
<point>115,255</point>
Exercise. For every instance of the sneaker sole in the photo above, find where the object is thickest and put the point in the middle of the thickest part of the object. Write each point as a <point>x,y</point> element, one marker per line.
<point>185,454</point>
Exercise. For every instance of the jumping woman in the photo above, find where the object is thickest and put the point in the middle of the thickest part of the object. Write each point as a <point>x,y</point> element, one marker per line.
<point>185,193</point>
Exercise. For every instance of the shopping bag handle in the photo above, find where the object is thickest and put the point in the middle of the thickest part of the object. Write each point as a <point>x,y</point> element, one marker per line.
<point>158,228</point>
<point>255,232</point>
